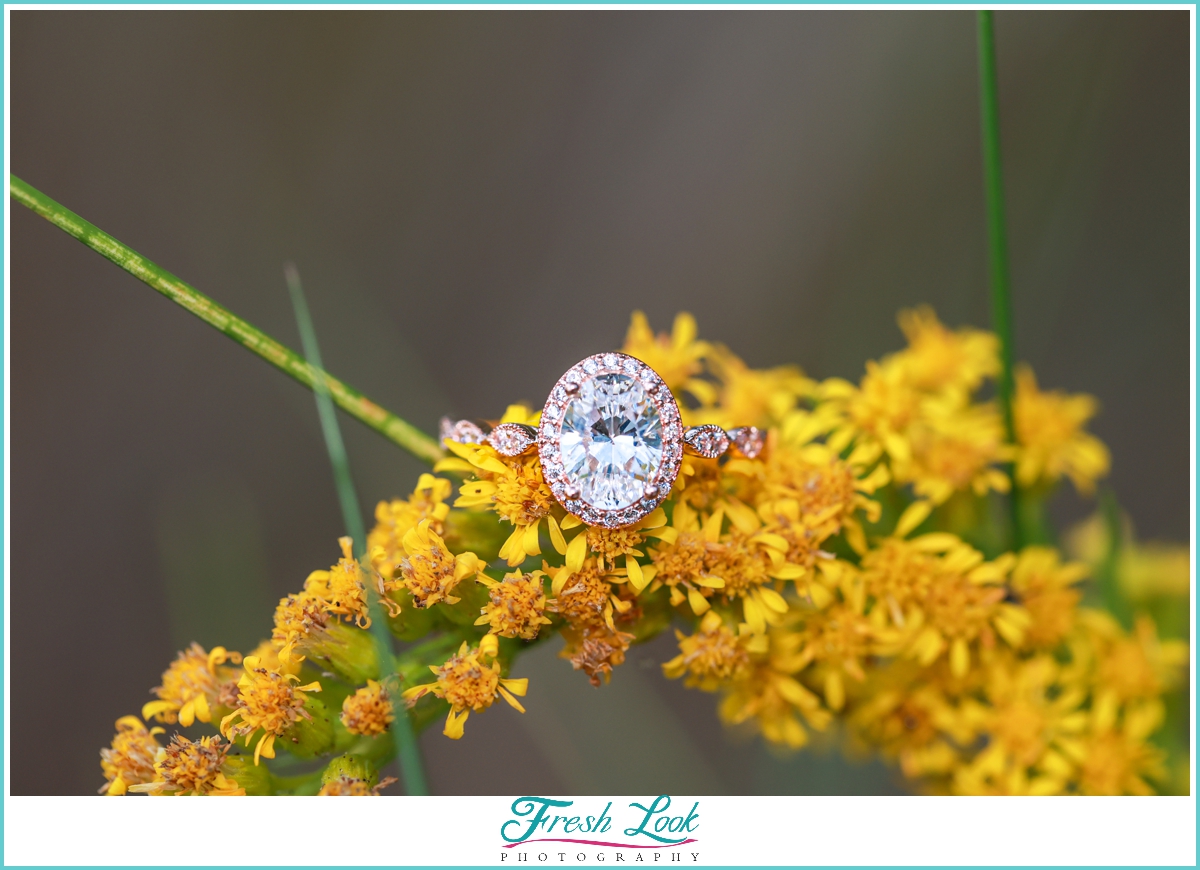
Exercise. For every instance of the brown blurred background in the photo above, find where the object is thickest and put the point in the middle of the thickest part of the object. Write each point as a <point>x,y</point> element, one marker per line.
<point>476,200</point>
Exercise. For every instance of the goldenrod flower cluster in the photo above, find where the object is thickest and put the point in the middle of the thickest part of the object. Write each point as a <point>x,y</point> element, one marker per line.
<point>852,579</point>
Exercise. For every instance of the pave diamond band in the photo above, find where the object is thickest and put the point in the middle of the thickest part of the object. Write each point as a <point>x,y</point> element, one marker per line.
<point>610,440</point>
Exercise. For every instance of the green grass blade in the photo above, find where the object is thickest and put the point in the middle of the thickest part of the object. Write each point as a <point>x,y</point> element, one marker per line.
<point>998,247</point>
<point>286,360</point>
<point>347,495</point>
<point>402,732</point>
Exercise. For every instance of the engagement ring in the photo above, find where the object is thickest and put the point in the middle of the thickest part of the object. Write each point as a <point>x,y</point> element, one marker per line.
<point>610,440</point>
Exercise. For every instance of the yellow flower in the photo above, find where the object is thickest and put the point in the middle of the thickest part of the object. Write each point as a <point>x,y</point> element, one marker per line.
<point>975,675</point>
<point>516,605</point>
<point>899,574</point>
<point>877,413</point>
<point>953,449</point>
<point>595,649</point>
<point>839,637</point>
<point>1031,725</point>
<point>368,712</point>
<point>1118,760</point>
<point>267,700</point>
<point>712,656</point>
<point>772,698</point>
<point>750,397</point>
<point>745,563</point>
<point>304,628</point>
<point>1155,569</point>
<point>428,570</point>
<point>677,358</point>
<point>609,545</point>
<point>1144,570</point>
<point>809,492</point>
<point>394,520</point>
<point>511,486</point>
<point>342,589</point>
<point>191,685</point>
<point>1134,667</point>
<point>915,406</point>
<point>130,759</point>
<point>700,483</point>
<point>682,566</point>
<point>268,657</point>
<point>1051,441</point>
<point>468,682</point>
<point>585,597</point>
<point>297,618</point>
<point>192,767</point>
<point>960,611</point>
<point>942,593</point>
<point>700,559</point>
<point>914,717</point>
<point>1045,586</point>
<point>938,359</point>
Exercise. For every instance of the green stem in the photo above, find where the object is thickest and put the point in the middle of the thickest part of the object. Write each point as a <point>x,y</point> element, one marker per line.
<point>288,361</point>
<point>998,246</point>
<point>325,410</point>
<point>406,746</point>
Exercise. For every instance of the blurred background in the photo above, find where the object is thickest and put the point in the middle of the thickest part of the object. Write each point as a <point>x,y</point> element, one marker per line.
<point>476,200</point>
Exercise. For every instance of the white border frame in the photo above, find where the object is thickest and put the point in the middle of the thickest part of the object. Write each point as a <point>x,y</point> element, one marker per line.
<point>455,831</point>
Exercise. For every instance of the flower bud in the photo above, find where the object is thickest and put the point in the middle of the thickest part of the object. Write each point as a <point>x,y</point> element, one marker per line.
<point>351,767</point>
<point>255,779</point>
<point>346,650</point>
<point>411,622</point>
<point>310,737</point>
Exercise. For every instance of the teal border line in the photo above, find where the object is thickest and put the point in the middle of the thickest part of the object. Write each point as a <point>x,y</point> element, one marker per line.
<point>632,5</point>
<point>451,4</point>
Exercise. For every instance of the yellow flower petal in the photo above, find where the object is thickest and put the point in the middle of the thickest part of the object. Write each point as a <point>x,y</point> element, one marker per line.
<point>712,528</point>
<point>512,702</point>
<point>455,724</point>
<point>772,599</point>
<point>577,552</point>
<point>835,690</point>
<point>556,535</point>
<point>755,617</point>
<point>517,687</point>
<point>149,709</point>
<point>960,658</point>
<point>634,570</point>
<point>915,514</point>
<point>187,713</point>
<point>530,542</point>
<point>512,547</point>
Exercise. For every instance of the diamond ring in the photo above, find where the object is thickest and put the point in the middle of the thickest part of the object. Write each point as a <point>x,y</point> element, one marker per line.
<point>610,440</point>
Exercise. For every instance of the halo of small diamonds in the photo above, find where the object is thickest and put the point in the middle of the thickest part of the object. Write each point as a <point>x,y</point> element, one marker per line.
<point>568,490</point>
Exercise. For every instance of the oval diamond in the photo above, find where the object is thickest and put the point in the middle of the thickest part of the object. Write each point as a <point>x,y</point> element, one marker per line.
<point>611,451</point>
<point>611,441</point>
